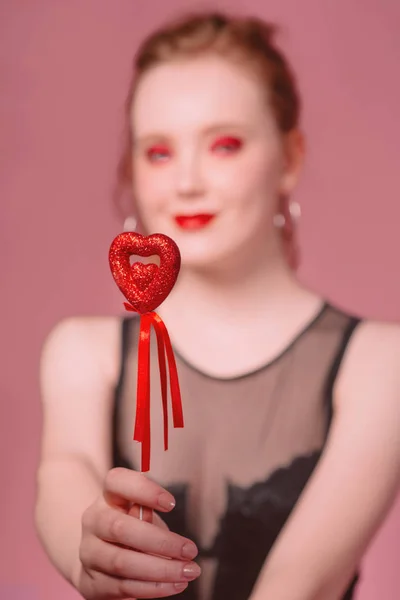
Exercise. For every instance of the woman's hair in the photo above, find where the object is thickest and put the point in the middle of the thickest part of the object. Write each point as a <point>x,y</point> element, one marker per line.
<point>249,41</point>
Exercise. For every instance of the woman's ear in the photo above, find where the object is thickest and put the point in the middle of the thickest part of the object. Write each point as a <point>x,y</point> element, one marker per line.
<point>294,151</point>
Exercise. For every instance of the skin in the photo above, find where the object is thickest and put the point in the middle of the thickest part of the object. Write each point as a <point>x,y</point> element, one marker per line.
<point>183,164</point>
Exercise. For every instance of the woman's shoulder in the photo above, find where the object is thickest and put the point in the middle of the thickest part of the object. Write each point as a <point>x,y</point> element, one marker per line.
<point>375,338</point>
<point>371,366</point>
<point>88,343</point>
<point>78,373</point>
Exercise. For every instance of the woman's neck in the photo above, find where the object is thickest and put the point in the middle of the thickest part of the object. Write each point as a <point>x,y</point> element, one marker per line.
<point>255,305</point>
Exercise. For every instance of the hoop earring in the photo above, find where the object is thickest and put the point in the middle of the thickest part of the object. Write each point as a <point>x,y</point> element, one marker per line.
<point>295,210</point>
<point>130,224</point>
<point>279,219</point>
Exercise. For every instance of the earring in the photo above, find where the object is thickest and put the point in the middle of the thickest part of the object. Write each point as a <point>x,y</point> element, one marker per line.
<point>130,224</point>
<point>295,210</point>
<point>279,219</point>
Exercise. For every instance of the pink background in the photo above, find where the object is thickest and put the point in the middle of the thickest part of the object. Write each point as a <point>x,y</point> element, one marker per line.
<point>64,73</point>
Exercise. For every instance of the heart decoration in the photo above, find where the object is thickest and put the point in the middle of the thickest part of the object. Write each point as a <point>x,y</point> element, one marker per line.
<point>143,274</point>
<point>144,286</point>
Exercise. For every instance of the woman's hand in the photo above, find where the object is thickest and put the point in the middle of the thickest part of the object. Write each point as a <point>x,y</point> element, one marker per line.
<point>122,556</point>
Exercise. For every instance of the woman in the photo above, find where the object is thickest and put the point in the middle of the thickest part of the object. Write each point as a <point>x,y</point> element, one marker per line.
<point>290,455</point>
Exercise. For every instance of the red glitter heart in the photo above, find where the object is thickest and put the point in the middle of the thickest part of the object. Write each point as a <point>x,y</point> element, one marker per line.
<point>143,274</point>
<point>144,286</point>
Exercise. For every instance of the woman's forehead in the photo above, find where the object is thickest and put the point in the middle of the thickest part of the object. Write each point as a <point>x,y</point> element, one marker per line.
<point>202,93</point>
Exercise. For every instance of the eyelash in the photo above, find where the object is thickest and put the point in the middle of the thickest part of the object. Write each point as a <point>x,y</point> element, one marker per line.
<point>232,143</point>
<point>156,150</point>
<point>227,144</point>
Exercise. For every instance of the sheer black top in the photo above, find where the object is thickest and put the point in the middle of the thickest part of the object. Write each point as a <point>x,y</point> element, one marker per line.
<point>236,484</point>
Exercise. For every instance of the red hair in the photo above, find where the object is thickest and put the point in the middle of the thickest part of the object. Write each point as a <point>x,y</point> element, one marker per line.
<point>247,40</point>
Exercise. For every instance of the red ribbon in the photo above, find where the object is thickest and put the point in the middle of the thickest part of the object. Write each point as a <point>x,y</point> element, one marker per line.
<point>165,351</point>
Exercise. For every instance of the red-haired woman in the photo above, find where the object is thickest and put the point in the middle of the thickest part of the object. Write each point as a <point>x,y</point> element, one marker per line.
<point>290,455</point>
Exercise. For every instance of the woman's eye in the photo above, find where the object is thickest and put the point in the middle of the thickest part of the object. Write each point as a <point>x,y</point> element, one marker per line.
<point>158,153</point>
<point>227,145</point>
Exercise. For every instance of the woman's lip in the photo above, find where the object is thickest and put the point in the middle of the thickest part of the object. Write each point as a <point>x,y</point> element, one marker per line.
<point>197,221</point>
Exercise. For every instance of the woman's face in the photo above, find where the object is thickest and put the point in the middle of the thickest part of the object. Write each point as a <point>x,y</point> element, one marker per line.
<point>208,160</point>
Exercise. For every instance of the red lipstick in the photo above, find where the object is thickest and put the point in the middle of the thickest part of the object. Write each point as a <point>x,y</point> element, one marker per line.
<point>193,221</point>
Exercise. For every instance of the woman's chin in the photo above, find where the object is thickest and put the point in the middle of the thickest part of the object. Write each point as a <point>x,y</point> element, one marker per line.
<point>196,250</point>
<point>197,260</point>
<point>199,250</point>
<point>207,258</point>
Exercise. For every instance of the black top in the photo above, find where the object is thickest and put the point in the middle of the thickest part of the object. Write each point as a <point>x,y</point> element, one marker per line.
<point>236,487</point>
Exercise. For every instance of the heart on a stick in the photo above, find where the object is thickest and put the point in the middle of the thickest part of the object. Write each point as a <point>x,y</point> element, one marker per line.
<point>143,274</point>
<point>144,286</point>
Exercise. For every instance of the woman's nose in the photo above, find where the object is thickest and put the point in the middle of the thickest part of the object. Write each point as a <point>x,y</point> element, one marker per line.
<point>189,180</point>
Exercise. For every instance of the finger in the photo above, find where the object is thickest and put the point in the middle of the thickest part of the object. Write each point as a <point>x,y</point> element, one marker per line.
<point>129,564</point>
<point>124,486</point>
<point>103,587</point>
<point>116,527</point>
<point>147,589</point>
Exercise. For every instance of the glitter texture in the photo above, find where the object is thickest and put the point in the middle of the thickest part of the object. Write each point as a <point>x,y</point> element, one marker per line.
<point>144,286</point>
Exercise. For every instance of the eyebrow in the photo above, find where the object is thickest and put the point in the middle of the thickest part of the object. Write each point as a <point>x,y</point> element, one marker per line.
<point>227,125</point>
<point>214,128</point>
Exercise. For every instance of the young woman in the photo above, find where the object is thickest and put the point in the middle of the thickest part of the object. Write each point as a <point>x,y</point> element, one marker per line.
<point>290,455</point>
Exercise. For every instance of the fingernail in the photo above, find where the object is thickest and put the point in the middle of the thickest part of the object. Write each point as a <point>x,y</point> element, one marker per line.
<point>191,571</point>
<point>180,586</point>
<point>166,501</point>
<point>189,550</point>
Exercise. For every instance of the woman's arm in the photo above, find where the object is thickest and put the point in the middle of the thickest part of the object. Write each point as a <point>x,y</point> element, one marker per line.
<point>355,483</point>
<point>78,372</point>
<point>86,513</point>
